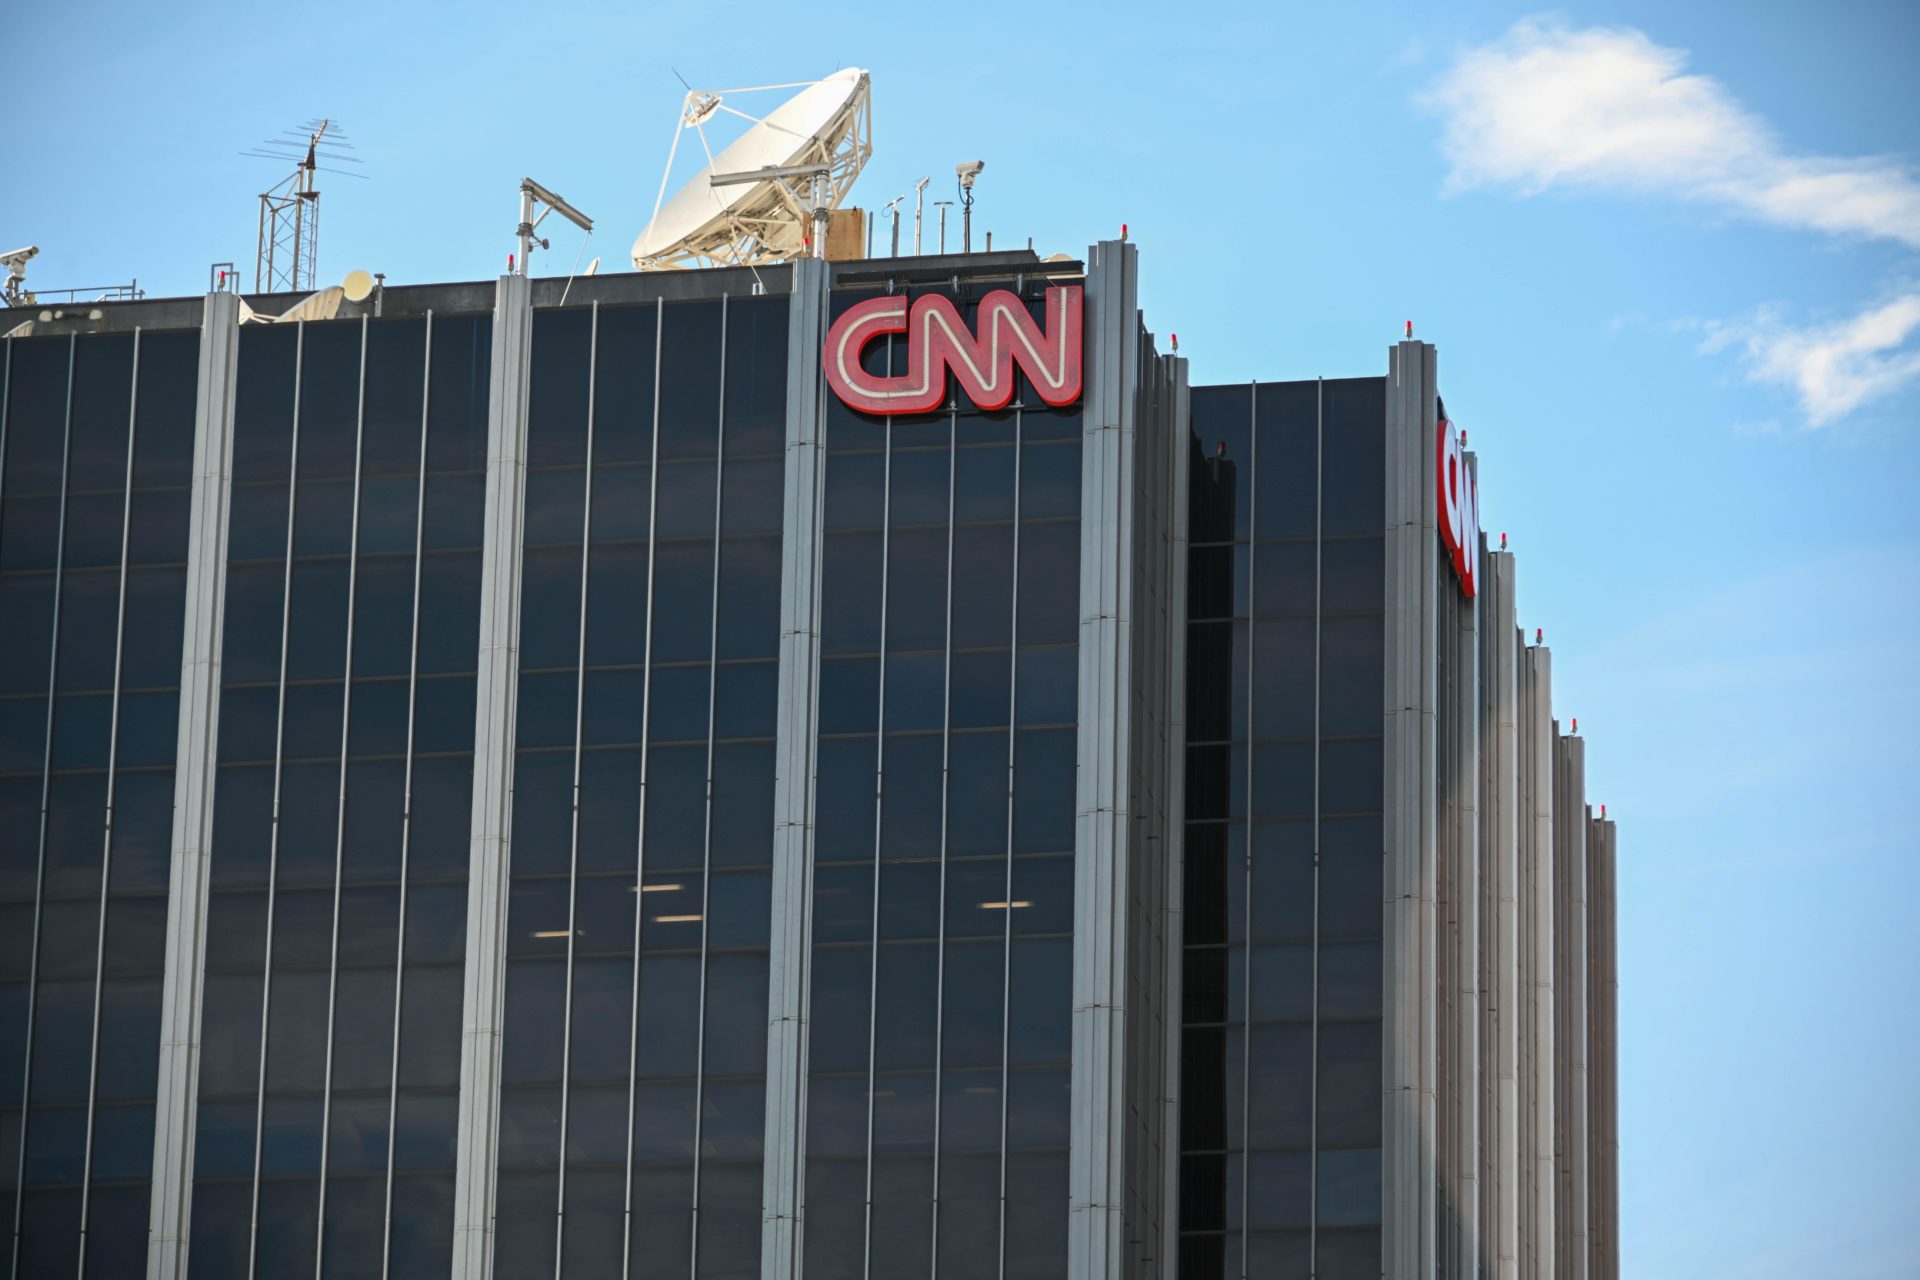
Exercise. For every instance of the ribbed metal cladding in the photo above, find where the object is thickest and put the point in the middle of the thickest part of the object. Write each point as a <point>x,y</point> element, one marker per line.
<point>484,985</point>
<point>1459,914</point>
<point>183,986</point>
<point>1603,1048</point>
<point>1535,959</point>
<point>1410,1158</point>
<point>1125,820</point>
<point>1096,1241</point>
<point>1158,812</point>
<point>1499,921</point>
<point>1570,1005</point>
<point>796,733</point>
<point>1178,456</point>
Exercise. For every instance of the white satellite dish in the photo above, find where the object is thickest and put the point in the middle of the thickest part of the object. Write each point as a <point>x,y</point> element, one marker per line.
<point>829,123</point>
<point>592,267</point>
<point>357,285</point>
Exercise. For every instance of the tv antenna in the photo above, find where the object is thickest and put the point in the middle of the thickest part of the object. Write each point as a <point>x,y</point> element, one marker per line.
<point>288,249</point>
<point>768,194</point>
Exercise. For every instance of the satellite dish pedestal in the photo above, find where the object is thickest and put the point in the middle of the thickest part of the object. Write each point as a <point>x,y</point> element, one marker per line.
<point>815,207</point>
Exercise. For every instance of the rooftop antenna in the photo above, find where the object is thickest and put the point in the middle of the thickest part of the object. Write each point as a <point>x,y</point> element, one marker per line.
<point>531,194</point>
<point>967,171</point>
<point>919,209</point>
<point>767,196</point>
<point>288,249</point>
<point>943,206</point>
<point>893,208</point>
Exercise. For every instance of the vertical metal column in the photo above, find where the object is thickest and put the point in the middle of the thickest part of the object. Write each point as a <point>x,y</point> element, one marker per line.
<point>1178,458</point>
<point>713,694</point>
<point>340,814</point>
<point>940,924</point>
<point>573,829</point>
<point>406,821</point>
<point>1410,1159</point>
<point>1096,1242</point>
<point>1499,861</point>
<point>1319,674</point>
<point>880,828</point>
<point>1006,928</point>
<point>40,843</point>
<point>1536,960</point>
<point>796,730</point>
<point>177,1085</point>
<point>1465,713</point>
<point>106,839</point>
<point>483,999</point>
<point>1246,822</point>
<point>640,831</point>
<point>273,843</point>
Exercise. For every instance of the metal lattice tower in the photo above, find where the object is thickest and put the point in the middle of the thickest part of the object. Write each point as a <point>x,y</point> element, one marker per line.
<point>289,244</point>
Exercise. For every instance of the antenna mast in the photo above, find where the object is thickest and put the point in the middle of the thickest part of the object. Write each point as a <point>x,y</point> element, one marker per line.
<point>289,245</point>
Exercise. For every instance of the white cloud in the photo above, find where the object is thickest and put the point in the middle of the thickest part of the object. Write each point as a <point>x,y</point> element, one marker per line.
<point>1832,368</point>
<point>1546,106</point>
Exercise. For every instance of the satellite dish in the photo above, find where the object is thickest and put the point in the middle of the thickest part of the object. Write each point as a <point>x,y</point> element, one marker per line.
<point>828,123</point>
<point>357,285</point>
<point>591,267</point>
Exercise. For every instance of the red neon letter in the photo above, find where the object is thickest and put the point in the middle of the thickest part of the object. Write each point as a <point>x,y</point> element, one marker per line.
<point>938,342</point>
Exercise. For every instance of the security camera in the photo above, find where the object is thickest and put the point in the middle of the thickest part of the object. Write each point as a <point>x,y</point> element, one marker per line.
<point>12,294</point>
<point>968,171</point>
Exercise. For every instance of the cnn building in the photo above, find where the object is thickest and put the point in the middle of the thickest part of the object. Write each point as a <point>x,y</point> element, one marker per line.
<point>848,769</point>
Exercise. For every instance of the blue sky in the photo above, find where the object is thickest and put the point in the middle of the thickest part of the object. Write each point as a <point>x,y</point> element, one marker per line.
<point>1670,254</point>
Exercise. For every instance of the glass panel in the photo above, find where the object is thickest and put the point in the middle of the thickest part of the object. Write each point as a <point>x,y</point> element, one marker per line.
<point>1037,1216</point>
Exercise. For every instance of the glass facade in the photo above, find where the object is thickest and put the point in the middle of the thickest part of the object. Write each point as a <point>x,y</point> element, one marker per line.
<point>96,454</point>
<point>336,917</point>
<point>1280,1071</point>
<point>938,807</point>
<point>937,1088</point>
<point>634,1059</point>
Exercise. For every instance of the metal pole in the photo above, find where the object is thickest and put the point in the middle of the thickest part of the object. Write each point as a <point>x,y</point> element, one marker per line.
<point>299,221</point>
<point>943,223</point>
<point>919,211</point>
<point>526,228</point>
<point>820,215</point>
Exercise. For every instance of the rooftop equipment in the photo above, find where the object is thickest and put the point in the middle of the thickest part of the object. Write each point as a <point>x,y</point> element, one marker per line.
<point>967,171</point>
<point>16,265</point>
<point>531,194</point>
<point>767,196</point>
<point>288,249</point>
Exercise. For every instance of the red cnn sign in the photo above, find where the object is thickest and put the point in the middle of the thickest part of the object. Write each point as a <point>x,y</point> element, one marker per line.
<point>1459,510</point>
<point>938,342</point>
